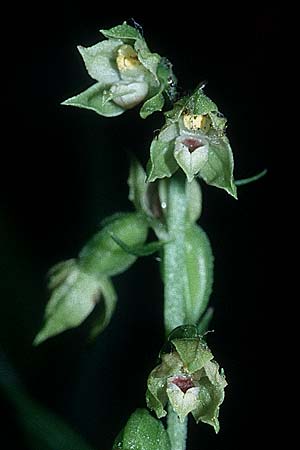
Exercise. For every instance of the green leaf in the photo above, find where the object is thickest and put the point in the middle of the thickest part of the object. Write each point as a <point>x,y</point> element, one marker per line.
<point>211,396</point>
<point>107,307</point>
<point>70,303</point>
<point>154,103</point>
<point>218,170</point>
<point>123,32</point>
<point>102,255</point>
<point>194,200</point>
<point>42,428</point>
<point>100,61</point>
<point>139,250</point>
<point>199,103</point>
<point>251,179</point>
<point>143,432</point>
<point>96,99</point>
<point>162,162</point>
<point>198,276</point>
<point>137,185</point>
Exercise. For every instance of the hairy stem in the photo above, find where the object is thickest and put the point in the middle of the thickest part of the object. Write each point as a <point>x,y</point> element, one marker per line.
<point>177,431</point>
<point>174,311</point>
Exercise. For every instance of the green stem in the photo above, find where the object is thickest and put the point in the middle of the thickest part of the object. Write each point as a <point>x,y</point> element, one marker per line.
<point>174,311</point>
<point>177,431</point>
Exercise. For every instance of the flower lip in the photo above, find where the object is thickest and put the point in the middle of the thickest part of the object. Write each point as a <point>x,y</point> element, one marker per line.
<point>184,382</point>
<point>192,143</point>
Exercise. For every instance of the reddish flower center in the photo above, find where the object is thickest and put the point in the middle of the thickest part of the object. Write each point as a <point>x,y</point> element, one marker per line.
<point>184,383</point>
<point>192,144</point>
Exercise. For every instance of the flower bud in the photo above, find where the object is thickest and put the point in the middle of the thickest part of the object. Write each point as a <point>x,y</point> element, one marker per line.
<point>74,296</point>
<point>102,255</point>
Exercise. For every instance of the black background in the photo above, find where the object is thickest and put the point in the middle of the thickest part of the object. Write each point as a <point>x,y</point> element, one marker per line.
<point>65,169</point>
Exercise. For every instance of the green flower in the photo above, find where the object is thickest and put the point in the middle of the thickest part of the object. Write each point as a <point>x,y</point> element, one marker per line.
<point>193,139</point>
<point>188,378</point>
<point>126,74</point>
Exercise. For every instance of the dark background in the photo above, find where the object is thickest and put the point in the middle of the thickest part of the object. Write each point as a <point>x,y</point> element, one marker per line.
<point>64,169</point>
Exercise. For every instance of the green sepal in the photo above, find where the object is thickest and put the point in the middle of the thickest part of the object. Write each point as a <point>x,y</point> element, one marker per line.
<point>73,298</point>
<point>218,170</point>
<point>106,308</point>
<point>102,255</point>
<point>139,250</point>
<point>99,61</point>
<point>96,99</point>
<point>211,395</point>
<point>156,394</point>
<point>162,162</point>
<point>124,32</point>
<point>153,104</point>
<point>142,432</point>
<point>199,103</point>
<point>198,276</point>
<point>193,352</point>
